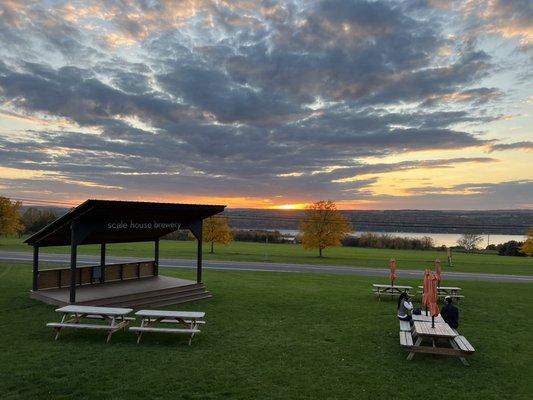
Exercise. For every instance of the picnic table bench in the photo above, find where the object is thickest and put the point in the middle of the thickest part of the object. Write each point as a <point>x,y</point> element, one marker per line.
<point>443,291</point>
<point>73,315</point>
<point>390,290</point>
<point>187,321</point>
<point>415,339</point>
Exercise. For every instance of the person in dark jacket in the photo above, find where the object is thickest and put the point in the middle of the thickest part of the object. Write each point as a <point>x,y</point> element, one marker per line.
<point>450,313</point>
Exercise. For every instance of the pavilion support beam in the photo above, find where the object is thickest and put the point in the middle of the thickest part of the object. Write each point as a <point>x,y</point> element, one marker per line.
<point>102,262</point>
<point>199,261</point>
<point>156,257</point>
<point>35,285</point>
<point>196,230</point>
<point>79,229</point>
<point>73,256</point>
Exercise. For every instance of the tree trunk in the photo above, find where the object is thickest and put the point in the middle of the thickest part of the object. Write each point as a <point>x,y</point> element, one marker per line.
<point>320,251</point>
<point>212,250</point>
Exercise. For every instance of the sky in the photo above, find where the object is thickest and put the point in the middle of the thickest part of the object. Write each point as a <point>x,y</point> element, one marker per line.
<point>269,104</point>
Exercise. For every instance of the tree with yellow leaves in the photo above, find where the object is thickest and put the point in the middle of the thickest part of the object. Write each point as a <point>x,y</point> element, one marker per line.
<point>217,230</point>
<point>527,247</point>
<point>323,226</point>
<point>9,217</point>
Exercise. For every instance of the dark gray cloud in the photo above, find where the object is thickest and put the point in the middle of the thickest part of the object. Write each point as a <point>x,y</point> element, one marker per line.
<point>525,145</point>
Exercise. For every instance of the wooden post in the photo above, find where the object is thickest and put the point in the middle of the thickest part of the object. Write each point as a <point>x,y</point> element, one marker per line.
<point>196,230</point>
<point>73,251</point>
<point>156,257</point>
<point>35,285</point>
<point>102,263</point>
<point>199,255</point>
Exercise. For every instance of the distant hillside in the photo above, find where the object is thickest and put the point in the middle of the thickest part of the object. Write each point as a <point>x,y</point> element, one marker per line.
<point>512,222</point>
<point>496,221</point>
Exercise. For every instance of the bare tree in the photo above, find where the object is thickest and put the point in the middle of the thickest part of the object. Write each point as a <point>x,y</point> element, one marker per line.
<point>470,241</point>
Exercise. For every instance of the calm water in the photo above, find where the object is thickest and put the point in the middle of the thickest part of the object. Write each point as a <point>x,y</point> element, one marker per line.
<point>446,239</point>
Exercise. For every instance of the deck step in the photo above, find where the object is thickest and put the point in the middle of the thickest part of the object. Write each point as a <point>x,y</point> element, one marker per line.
<point>172,300</point>
<point>177,301</point>
<point>125,299</point>
<point>166,299</point>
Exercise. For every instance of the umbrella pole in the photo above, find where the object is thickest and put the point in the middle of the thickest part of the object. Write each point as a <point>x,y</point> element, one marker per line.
<point>432,321</point>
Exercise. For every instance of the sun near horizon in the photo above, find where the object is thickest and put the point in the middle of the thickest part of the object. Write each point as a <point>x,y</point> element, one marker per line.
<point>297,206</point>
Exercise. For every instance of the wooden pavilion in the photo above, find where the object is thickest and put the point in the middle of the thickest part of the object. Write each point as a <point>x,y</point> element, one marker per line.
<point>132,284</point>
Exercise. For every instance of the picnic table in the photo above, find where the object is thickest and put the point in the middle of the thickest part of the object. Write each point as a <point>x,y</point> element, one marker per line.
<point>391,290</point>
<point>187,321</point>
<point>443,291</point>
<point>434,340</point>
<point>73,315</point>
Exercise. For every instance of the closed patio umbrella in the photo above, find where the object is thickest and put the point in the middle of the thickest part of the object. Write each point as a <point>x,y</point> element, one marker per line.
<point>392,274</point>
<point>432,298</point>
<point>438,271</point>
<point>425,289</point>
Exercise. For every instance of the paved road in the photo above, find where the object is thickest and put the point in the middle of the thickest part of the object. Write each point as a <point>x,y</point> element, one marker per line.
<point>265,266</point>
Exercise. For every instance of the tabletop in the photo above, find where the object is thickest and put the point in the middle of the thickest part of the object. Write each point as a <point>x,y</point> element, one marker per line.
<point>94,310</point>
<point>441,329</point>
<point>444,287</point>
<point>425,318</point>
<point>390,286</point>
<point>170,314</point>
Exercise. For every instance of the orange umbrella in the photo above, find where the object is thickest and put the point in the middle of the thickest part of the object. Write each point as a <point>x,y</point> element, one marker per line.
<point>432,297</point>
<point>425,288</point>
<point>392,275</point>
<point>438,271</point>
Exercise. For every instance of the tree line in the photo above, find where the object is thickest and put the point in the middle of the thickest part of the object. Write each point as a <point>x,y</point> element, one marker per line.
<point>322,226</point>
<point>13,222</point>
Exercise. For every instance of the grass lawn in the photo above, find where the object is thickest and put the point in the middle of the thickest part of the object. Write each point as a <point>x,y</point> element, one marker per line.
<point>269,336</point>
<point>289,253</point>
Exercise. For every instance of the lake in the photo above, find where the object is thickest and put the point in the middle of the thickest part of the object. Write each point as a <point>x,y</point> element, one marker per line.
<point>440,239</point>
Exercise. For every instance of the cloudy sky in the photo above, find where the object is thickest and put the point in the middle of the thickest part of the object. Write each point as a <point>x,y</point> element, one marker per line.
<point>373,104</point>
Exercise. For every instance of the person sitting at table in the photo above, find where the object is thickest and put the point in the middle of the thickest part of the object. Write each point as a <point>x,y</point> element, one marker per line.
<point>450,313</point>
<point>405,307</point>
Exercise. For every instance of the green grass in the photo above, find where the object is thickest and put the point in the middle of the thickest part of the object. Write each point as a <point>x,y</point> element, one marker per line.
<point>269,336</point>
<point>288,253</point>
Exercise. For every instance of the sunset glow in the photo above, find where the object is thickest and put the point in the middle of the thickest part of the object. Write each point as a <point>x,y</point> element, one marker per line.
<point>289,206</point>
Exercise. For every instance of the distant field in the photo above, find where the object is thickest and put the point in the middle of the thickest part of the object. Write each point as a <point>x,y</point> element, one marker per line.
<point>288,253</point>
<point>269,336</point>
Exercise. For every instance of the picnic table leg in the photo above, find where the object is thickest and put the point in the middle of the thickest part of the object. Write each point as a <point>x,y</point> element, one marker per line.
<point>417,343</point>
<point>193,325</point>
<point>454,345</point>
<point>111,331</point>
<point>139,334</point>
<point>58,329</point>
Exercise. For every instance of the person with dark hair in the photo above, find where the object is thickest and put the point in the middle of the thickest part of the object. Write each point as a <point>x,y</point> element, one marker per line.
<point>450,313</point>
<point>405,307</point>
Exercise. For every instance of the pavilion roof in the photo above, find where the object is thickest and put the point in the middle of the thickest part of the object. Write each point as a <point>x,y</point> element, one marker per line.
<point>113,221</point>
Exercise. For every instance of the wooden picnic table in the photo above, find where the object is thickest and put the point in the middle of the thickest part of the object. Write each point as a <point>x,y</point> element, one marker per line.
<point>188,322</point>
<point>73,315</point>
<point>436,336</point>
<point>390,290</point>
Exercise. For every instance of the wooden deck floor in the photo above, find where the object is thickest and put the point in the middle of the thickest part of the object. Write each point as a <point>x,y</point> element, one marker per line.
<point>145,291</point>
